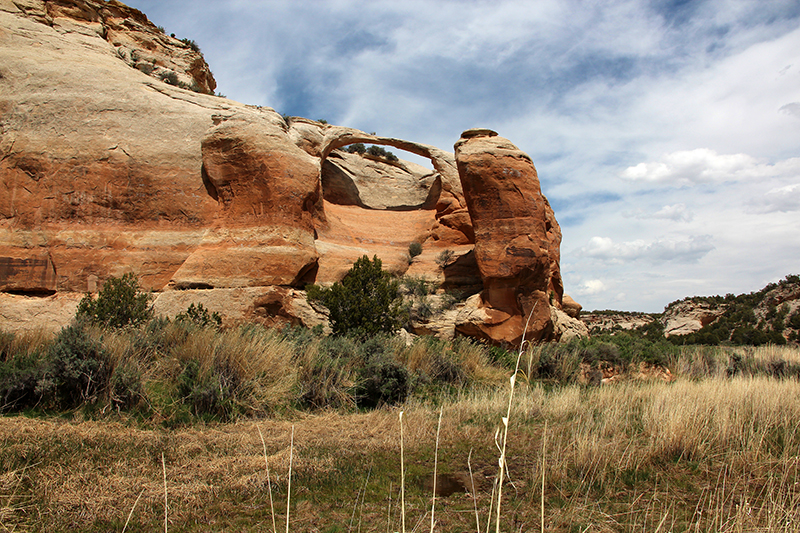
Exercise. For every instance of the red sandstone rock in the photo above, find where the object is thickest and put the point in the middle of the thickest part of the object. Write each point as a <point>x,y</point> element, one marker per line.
<point>192,191</point>
<point>267,189</point>
<point>570,306</point>
<point>516,238</point>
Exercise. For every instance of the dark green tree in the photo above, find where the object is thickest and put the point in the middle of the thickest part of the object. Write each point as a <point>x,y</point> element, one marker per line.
<point>365,302</point>
<point>119,303</point>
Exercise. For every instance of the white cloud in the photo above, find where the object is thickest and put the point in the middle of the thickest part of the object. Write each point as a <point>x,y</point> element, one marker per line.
<point>679,251</point>
<point>779,199</point>
<point>592,287</point>
<point>792,109</point>
<point>702,165</point>
<point>676,213</point>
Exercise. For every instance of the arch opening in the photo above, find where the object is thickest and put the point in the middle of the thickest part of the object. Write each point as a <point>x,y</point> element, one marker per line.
<point>371,177</point>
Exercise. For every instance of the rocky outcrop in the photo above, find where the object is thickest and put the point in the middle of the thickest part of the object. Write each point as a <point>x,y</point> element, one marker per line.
<point>210,201</point>
<point>452,226</point>
<point>375,183</point>
<point>571,307</point>
<point>608,322</point>
<point>98,185</point>
<point>517,240</point>
<point>271,306</point>
<point>566,327</point>
<point>689,316</point>
<point>135,40</point>
<point>606,373</point>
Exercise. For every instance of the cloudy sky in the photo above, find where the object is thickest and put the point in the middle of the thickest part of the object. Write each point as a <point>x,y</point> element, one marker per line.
<point>666,133</point>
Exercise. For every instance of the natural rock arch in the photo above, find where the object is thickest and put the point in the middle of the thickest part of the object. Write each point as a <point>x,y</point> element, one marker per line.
<point>443,162</point>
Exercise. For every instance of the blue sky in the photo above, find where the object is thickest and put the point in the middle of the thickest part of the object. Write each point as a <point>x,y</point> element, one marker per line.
<point>666,134</point>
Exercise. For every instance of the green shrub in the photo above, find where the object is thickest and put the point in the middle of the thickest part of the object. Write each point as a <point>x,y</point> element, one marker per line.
<point>77,370</point>
<point>146,68</point>
<point>416,287</point>
<point>445,258</point>
<point>19,378</point>
<point>191,44</point>
<point>414,249</point>
<point>72,370</point>
<point>119,303</point>
<point>200,317</point>
<point>199,391</point>
<point>365,302</point>
<point>126,388</point>
<point>357,148</point>
<point>169,77</point>
<point>602,351</point>
<point>378,151</point>
<point>794,320</point>
<point>382,382</point>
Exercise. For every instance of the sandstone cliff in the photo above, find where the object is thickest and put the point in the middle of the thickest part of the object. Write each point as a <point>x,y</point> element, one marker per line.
<point>115,156</point>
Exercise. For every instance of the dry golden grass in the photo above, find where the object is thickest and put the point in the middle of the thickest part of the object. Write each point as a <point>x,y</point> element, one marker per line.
<point>258,362</point>
<point>717,455</point>
<point>711,454</point>
<point>24,343</point>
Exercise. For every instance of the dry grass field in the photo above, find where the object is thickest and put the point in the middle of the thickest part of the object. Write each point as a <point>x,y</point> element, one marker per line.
<point>709,451</point>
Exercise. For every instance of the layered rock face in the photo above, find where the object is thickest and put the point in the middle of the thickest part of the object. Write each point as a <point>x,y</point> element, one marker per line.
<point>687,317</point>
<point>267,190</point>
<point>136,40</point>
<point>110,164</point>
<point>607,322</point>
<point>98,161</point>
<point>517,239</point>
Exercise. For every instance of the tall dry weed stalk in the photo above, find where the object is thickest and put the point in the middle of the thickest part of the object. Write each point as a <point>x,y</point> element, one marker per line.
<point>166,500</point>
<point>269,481</point>
<point>436,468</point>
<point>402,477</point>
<point>474,494</point>
<point>289,483</point>
<point>505,420</point>
<point>128,520</point>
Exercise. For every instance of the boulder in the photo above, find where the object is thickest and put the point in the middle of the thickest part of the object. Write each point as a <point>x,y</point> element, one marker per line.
<point>566,327</point>
<point>570,306</point>
<point>271,306</point>
<point>517,239</point>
